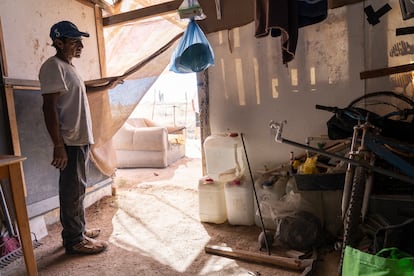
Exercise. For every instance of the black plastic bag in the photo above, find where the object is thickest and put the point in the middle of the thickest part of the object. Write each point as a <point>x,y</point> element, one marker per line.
<point>300,231</point>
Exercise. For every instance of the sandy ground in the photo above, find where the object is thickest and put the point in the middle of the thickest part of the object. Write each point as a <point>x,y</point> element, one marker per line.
<point>153,228</point>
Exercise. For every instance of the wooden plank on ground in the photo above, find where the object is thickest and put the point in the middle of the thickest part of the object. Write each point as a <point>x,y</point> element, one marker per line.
<point>286,262</point>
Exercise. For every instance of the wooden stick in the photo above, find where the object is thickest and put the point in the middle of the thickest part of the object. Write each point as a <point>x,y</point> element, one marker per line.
<point>291,263</point>
<point>386,71</point>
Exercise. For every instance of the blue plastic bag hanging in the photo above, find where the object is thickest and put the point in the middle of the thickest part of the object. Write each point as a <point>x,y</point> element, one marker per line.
<point>193,53</point>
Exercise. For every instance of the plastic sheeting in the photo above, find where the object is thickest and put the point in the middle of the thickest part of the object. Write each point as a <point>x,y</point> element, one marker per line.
<point>137,53</point>
<point>133,49</point>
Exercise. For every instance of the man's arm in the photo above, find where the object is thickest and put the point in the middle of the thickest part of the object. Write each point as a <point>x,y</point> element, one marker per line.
<point>51,118</point>
<point>102,84</point>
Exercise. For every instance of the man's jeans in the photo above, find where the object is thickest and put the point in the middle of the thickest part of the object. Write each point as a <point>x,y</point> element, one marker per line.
<point>72,185</point>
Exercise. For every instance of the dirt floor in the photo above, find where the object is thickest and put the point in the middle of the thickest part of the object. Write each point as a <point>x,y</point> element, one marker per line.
<point>153,228</point>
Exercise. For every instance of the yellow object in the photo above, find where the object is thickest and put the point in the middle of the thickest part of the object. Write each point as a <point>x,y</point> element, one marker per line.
<point>309,166</point>
<point>295,164</point>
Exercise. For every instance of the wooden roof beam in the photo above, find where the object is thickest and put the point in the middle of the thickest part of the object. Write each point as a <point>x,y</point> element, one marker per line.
<point>104,5</point>
<point>138,14</point>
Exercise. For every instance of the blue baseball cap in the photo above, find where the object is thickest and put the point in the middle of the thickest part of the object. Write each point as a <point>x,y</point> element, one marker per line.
<point>66,29</point>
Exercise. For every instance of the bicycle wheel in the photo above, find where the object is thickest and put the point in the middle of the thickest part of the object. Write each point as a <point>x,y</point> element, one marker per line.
<point>353,215</point>
<point>383,102</point>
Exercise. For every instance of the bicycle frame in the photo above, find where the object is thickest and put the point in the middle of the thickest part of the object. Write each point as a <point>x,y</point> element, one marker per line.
<point>372,144</point>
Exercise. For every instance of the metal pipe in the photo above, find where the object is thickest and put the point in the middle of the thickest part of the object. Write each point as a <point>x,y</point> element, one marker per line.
<point>350,161</point>
<point>255,196</point>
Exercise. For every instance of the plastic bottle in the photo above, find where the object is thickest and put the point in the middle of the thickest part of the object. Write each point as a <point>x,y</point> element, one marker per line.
<point>224,155</point>
<point>239,202</point>
<point>212,204</point>
<point>269,190</point>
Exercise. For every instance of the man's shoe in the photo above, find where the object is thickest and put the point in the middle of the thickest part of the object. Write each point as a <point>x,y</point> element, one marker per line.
<point>88,246</point>
<point>92,233</point>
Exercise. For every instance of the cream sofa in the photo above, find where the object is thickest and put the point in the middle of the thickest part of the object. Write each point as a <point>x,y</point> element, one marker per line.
<point>142,143</point>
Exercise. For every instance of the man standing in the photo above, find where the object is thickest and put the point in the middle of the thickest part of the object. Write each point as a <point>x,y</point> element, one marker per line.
<point>68,121</point>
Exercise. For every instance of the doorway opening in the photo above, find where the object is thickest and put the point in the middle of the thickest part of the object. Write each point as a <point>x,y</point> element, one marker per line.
<point>173,100</point>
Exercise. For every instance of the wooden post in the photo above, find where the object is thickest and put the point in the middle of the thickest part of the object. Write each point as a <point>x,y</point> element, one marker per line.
<point>203,103</point>
<point>11,168</point>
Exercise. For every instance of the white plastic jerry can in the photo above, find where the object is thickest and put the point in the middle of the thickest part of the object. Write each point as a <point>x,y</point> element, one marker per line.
<point>212,205</point>
<point>224,155</point>
<point>239,202</point>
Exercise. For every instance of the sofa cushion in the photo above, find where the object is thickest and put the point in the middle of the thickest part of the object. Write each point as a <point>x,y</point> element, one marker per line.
<point>143,143</point>
<point>144,138</point>
<point>137,122</point>
<point>150,139</point>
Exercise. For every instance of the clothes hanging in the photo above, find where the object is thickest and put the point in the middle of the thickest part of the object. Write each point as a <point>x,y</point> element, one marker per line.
<point>283,18</point>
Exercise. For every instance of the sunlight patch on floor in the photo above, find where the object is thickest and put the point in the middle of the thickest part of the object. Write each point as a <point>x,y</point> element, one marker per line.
<point>168,234</point>
<point>222,266</point>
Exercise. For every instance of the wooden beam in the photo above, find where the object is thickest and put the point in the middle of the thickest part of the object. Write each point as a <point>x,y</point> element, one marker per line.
<point>386,71</point>
<point>203,103</point>
<point>86,3</point>
<point>13,121</point>
<point>3,53</point>
<point>104,5</point>
<point>101,41</point>
<point>138,14</point>
<point>22,83</point>
<point>286,262</point>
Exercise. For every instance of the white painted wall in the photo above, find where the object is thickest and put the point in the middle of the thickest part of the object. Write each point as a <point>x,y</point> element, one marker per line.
<point>249,85</point>
<point>26,26</point>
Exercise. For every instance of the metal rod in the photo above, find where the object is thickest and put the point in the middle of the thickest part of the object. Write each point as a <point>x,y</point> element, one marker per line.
<point>255,195</point>
<point>351,161</point>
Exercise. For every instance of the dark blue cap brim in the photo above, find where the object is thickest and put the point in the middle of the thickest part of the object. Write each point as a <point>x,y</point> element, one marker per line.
<point>75,34</point>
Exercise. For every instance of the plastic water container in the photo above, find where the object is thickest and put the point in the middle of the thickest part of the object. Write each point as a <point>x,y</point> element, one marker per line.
<point>239,202</point>
<point>224,155</point>
<point>268,190</point>
<point>212,204</point>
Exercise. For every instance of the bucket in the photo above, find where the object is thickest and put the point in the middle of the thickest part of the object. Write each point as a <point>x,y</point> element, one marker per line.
<point>224,155</point>
<point>239,202</point>
<point>268,190</point>
<point>211,200</point>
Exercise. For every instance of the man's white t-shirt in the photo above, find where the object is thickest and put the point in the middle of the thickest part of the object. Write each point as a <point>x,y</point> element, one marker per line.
<point>57,76</point>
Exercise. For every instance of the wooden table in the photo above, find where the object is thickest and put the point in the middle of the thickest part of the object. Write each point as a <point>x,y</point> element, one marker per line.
<point>11,168</point>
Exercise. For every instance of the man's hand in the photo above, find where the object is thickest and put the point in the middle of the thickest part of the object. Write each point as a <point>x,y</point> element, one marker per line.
<point>102,84</point>
<point>114,81</point>
<point>60,157</point>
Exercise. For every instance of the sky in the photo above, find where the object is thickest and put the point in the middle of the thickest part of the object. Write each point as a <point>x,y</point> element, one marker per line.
<point>173,87</point>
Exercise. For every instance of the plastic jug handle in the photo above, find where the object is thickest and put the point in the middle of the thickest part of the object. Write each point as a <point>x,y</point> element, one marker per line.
<point>238,169</point>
